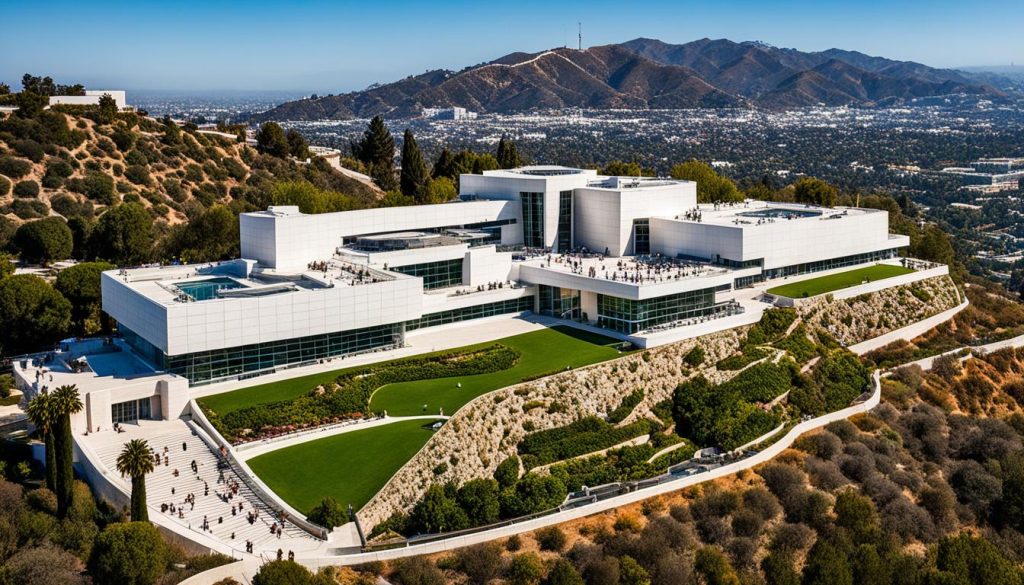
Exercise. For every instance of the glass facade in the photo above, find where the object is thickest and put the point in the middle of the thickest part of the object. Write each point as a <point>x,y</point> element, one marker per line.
<point>563,303</point>
<point>831,263</point>
<point>130,411</point>
<point>475,312</point>
<point>205,367</point>
<point>641,237</point>
<point>808,267</point>
<point>629,316</point>
<point>533,219</point>
<point>435,274</point>
<point>565,221</point>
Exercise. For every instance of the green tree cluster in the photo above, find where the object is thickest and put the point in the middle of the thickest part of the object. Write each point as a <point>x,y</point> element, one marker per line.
<point>711,187</point>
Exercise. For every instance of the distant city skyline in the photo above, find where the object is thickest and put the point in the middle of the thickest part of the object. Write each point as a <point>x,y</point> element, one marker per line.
<point>335,47</point>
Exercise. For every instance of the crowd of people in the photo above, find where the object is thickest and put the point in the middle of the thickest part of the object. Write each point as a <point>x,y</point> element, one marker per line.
<point>226,489</point>
<point>647,271</point>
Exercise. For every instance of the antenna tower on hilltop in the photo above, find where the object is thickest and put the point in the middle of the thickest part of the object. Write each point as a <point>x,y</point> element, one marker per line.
<point>579,38</point>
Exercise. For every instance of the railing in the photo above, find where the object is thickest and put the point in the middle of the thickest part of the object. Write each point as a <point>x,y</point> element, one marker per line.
<point>682,474</point>
<point>242,471</point>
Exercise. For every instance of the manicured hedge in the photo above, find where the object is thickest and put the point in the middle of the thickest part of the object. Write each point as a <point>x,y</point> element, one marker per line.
<point>348,395</point>
<point>583,436</point>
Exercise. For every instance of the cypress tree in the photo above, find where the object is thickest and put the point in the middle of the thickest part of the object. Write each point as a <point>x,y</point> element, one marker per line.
<point>67,402</point>
<point>414,170</point>
<point>508,154</point>
<point>377,151</point>
<point>445,166</point>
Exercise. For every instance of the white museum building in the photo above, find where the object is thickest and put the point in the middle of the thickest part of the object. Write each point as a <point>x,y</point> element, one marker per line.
<point>634,258</point>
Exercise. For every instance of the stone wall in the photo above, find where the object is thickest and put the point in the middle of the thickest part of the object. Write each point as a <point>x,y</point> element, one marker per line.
<point>486,431</point>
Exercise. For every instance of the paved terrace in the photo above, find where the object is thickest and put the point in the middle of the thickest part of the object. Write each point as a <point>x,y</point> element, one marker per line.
<point>639,270</point>
<point>754,213</point>
<point>163,487</point>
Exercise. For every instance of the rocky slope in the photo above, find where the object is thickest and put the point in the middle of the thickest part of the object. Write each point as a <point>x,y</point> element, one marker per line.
<point>496,420</point>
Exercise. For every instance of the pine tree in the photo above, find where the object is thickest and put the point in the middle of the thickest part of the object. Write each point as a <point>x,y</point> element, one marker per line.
<point>414,169</point>
<point>377,151</point>
<point>508,154</point>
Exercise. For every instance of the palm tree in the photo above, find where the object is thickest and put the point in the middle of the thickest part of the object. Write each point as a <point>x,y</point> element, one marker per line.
<point>43,415</point>
<point>136,460</point>
<point>66,402</point>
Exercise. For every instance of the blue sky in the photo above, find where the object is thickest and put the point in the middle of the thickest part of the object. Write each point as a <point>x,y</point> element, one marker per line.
<point>340,46</point>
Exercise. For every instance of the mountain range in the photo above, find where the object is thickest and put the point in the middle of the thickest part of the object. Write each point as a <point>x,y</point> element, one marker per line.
<point>651,74</point>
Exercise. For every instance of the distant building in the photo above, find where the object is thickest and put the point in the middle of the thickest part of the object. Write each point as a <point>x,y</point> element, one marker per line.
<point>992,173</point>
<point>454,113</point>
<point>91,98</point>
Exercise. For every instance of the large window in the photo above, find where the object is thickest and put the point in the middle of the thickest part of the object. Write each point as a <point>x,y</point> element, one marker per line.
<point>629,316</point>
<point>565,221</point>
<point>475,312</point>
<point>130,411</point>
<point>533,219</point>
<point>435,274</point>
<point>563,303</point>
<point>205,367</point>
<point>642,237</point>
<point>809,267</point>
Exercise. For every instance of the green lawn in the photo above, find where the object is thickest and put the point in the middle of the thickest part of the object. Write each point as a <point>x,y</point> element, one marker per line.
<point>543,351</point>
<point>350,467</point>
<point>833,282</point>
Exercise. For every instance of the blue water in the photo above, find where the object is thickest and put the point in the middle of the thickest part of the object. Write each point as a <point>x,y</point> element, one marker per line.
<point>203,290</point>
<point>780,213</point>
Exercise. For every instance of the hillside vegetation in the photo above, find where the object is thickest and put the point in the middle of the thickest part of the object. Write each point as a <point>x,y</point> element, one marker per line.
<point>80,163</point>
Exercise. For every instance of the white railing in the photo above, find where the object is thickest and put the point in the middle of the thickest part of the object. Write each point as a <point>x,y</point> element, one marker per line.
<point>449,542</point>
<point>260,489</point>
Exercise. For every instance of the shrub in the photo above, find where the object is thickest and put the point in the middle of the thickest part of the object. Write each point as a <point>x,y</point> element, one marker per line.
<point>128,552</point>
<point>328,513</point>
<point>626,406</point>
<point>282,573</point>
<point>524,569</point>
<point>137,174</point>
<point>583,436</point>
<point>26,189</point>
<point>551,539</point>
<point>694,357</point>
<point>5,186</point>
<point>14,168</point>
<point>29,149</point>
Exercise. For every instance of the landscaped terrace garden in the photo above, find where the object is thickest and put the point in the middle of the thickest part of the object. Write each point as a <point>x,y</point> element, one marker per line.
<point>440,381</point>
<point>841,280</point>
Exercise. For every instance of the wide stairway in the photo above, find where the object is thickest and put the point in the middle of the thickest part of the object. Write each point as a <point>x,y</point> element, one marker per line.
<point>213,506</point>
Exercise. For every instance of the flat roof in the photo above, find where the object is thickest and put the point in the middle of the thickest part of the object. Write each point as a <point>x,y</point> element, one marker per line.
<point>161,284</point>
<point>635,270</point>
<point>752,213</point>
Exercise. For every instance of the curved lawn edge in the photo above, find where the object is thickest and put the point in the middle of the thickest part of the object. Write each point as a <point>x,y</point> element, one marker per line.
<point>349,467</point>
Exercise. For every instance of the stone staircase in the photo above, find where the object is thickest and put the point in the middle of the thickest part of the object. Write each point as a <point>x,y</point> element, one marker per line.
<point>162,487</point>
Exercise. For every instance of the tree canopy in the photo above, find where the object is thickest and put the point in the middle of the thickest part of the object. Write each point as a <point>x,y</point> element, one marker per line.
<point>711,187</point>
<point>44,240</point>
<point>32,312</point>
<point>124,235</point>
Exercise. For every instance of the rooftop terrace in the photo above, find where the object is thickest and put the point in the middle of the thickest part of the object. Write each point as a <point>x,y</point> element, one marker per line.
<point>755,213</point>
<point>638,270</point>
